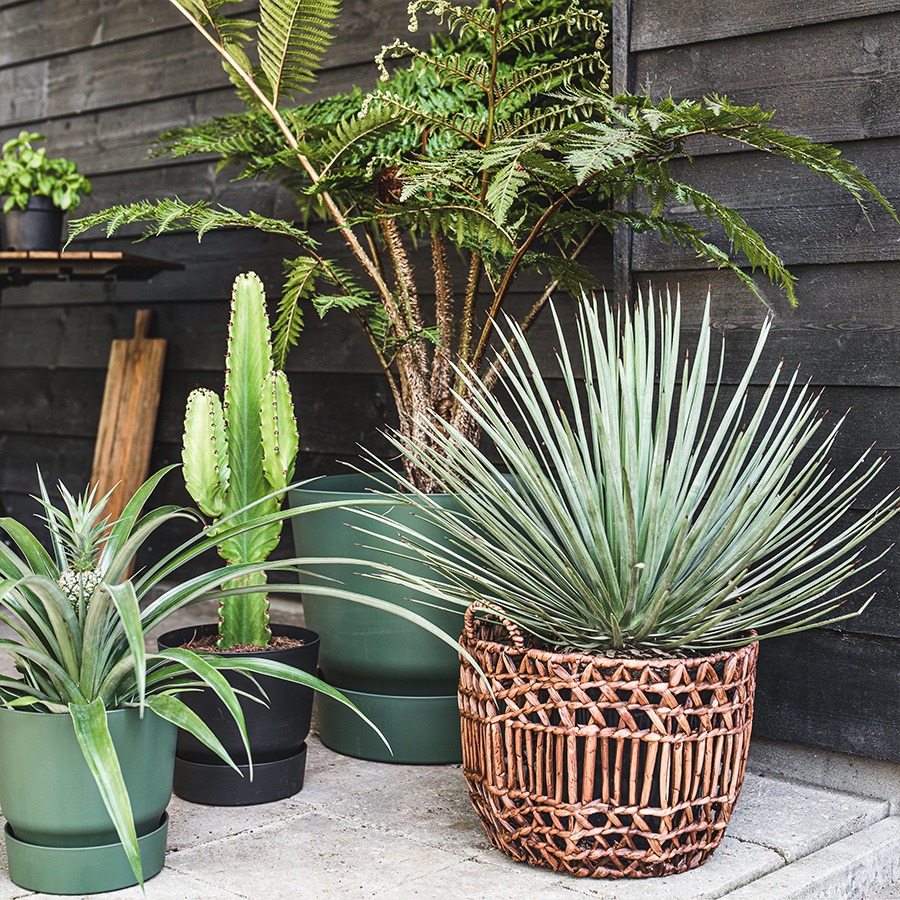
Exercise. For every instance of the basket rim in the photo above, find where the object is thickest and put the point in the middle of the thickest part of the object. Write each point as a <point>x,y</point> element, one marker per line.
<point>613,661</point>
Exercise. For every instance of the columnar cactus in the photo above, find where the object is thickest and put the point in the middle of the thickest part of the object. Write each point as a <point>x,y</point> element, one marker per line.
<point>238,452</point>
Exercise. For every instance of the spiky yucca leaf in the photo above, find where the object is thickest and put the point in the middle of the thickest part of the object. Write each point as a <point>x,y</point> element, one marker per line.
<point>636,517</point>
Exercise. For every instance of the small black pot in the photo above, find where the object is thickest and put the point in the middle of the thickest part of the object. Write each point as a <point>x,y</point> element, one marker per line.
<point>37,227</point>
<point>277,732</point>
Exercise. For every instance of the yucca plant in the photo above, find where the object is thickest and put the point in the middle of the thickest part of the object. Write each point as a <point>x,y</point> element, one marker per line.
<point>501,141</point>
<point>639,516</point>
<point>80,624</point>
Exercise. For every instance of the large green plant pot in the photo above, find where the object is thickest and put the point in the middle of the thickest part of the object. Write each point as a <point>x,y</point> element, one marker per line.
<point>59,837</point>
<point>399,674</point>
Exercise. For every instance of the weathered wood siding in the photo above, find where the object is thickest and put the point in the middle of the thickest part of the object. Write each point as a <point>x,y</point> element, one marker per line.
<point>101,81</point>
<point>832,72</point>
<point>102,78</point>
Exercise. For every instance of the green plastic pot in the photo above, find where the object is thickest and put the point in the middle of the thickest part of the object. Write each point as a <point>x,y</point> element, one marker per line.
<point>59,837</point>
<point>409,676</point>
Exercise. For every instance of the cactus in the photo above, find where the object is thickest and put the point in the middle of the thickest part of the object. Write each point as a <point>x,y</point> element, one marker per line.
<point>239,451</point>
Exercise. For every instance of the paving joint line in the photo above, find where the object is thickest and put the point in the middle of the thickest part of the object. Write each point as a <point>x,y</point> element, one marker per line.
<point>227,837</point>
<point>780,853</point>
<point>204,883</point>
<point>799,782</point>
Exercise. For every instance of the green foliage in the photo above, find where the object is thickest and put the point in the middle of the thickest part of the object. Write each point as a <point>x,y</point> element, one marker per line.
<point>27,172</point>
<point>293,38</point>
<point>637,516</point>
<point>82,659</point>
<point>500,139</point>
<point>172,214</point>
<point>239,456</point>
<point>290,38</point>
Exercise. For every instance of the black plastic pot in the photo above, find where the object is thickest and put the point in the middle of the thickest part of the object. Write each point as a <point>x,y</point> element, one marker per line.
<point>37,227</point>
<point>277,732</point>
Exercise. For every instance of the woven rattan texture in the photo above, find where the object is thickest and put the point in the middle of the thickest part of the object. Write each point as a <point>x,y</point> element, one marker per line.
<point>602,767</point>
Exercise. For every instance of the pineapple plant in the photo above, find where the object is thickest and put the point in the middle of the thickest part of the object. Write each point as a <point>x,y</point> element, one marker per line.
<point>79,627</point>
<point>78,535</point>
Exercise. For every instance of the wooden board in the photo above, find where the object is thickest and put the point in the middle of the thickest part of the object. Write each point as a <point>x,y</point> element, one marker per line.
<point>128,414</point>
<point>668,25</point>
<point>834,690</point>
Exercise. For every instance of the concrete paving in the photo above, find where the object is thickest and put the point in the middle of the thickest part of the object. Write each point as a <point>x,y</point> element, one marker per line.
<point>809,824</point>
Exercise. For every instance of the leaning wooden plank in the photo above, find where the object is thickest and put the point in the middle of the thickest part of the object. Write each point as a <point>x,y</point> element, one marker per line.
<point>128,413</point>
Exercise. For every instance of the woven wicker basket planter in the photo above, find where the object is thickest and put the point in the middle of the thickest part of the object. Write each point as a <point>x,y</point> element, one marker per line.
<point>603,767</point>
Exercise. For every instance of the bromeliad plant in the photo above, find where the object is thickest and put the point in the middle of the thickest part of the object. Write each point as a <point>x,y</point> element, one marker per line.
<point>80,625</point>
<point>27,172</point>
<point>501,141</point>
<point>636,517</point>
<point>239,456</point>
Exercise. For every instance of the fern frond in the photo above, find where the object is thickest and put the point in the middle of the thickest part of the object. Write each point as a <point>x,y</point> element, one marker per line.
<point>302,277</point>
<point>468,227</point>
<point>535,80</point>
<point>527,34</point>
<point>743,238</point>
<point>695,238</point>
<point>504,188</point>
<point>457,173</point>
<point>293,37</point>
<point>459,19</point>
<point>350,132</point>
<point>229,34</point>
<point>547,117</point>
<point>573,277</point>
<point>823,159</point>
<point>470,126</point>
<point>347,302</point>
<point>173,214</point>
<point>229,137</point>
<point>460,68</point>
<point>299,284</point>
<point>597,147</point>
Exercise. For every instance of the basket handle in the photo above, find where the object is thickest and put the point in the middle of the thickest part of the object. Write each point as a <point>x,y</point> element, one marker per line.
<point>513,630</point>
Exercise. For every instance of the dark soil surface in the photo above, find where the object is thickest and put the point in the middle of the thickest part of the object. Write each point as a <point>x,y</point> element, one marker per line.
<point>208,645</point>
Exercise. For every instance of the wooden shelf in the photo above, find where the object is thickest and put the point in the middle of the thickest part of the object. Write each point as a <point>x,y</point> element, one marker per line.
<point>19,268</point>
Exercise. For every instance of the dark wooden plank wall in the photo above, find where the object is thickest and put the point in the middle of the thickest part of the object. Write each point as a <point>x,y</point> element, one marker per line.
<point>102,83</point>
<point>832,72</point>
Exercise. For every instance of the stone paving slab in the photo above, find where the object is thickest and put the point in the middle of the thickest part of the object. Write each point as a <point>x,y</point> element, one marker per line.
<point>855,866</point>
<point>361,830</point>
<point>810,825</point>
<point>798,819</point>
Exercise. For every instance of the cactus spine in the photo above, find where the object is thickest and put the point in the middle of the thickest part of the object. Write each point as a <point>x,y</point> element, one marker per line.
<point>239,451</point>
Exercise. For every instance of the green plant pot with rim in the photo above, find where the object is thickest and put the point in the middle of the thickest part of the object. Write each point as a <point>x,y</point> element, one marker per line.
<point>396,673</point>
<point>59,837</point>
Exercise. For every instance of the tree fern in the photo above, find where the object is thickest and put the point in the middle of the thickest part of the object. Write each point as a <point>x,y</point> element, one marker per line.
<point>500,139</point>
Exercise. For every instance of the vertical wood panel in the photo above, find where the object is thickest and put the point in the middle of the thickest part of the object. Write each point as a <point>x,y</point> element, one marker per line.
<point>102,78</point>
<point>831,71</point>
